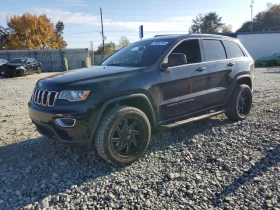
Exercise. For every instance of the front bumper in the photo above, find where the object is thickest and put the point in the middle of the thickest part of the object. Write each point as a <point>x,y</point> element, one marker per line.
<point>46,121</point>
<point>9,71</point>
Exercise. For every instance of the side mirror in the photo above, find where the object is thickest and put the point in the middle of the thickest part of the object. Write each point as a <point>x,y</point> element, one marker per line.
<point>174,59</point>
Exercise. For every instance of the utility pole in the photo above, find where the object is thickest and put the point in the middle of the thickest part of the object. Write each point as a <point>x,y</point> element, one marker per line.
<point>252,2</point>
<point>92,53</point>
<point>102,31</point>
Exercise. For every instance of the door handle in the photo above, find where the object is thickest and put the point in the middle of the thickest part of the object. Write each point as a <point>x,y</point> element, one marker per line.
<point>231,64</point>
<point>201,69</point>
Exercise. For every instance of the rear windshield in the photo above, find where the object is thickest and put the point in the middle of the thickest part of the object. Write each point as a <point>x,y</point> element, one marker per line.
<point>17,60</point>
<point>142,53</point>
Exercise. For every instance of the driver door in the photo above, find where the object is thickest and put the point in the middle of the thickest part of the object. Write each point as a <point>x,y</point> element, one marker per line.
<point>183,88</point>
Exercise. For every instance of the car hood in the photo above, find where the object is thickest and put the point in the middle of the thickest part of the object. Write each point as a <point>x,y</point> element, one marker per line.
<point>14,64</point>
<point>83,77</point>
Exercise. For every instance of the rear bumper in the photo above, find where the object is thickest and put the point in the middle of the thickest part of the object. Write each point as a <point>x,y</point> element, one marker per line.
<point>47,123</point>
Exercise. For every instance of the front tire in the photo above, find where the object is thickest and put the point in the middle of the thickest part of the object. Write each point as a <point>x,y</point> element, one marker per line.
<point>240,103</point>
<point>123,135</point>
<point>22,73</point>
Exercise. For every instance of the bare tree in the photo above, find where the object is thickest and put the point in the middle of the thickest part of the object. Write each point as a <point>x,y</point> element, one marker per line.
<point>227,29</point>
<point>123,42</point>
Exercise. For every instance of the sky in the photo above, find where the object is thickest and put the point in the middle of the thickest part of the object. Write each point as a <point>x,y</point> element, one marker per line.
<point>123,17</point>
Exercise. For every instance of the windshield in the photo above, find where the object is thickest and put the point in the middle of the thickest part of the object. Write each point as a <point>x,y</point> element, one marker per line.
<point>17,60</point>
<point>143,53</point>
<point>3,61</point>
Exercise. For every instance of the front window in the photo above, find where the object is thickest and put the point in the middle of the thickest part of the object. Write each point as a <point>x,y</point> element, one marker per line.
<point>17,60</point>
<point>142,53</point>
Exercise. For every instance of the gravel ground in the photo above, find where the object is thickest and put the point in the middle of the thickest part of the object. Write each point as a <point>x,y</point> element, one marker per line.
<point>211,164</point>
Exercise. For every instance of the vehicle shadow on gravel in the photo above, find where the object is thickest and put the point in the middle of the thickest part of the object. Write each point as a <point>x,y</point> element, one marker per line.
<point>271,158</point>
<point>39,167</point>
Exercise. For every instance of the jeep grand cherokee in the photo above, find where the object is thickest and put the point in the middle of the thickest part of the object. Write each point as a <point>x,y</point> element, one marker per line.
<point>163,81</point>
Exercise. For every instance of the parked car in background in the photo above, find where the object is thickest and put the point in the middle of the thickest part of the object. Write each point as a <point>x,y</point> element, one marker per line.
<point>21,67</point>
<point>2,62</point>
<point>273,60</point>
<point>164,81</point>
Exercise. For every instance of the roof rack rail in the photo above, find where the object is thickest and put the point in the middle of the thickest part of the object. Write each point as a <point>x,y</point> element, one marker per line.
<point>166,35</point>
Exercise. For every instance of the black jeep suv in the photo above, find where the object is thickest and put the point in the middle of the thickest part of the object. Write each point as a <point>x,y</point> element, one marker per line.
<point>167,81</point>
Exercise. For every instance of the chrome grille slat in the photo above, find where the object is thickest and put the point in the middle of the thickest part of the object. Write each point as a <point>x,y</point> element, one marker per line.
<point>44,98</point>
<point>35,94</point>
<point>48,98</point>
<point>38,97</point>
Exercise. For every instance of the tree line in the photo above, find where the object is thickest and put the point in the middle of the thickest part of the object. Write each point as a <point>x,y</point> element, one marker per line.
<point>31,32</point>
<point>268,20</point>
<point>38,32</point>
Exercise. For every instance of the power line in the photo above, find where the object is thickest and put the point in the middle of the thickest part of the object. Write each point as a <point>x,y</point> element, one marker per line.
<point>152,14</point>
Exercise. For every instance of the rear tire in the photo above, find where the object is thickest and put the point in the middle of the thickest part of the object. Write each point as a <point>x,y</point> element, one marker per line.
<point>123,135</point>
<point>240,103</point>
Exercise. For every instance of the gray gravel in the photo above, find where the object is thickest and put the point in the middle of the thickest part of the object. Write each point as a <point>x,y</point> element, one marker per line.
<point>211,164</point>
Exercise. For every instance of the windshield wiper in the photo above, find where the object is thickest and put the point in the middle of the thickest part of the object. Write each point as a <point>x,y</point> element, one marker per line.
<point>125,65</point>
<point>115,64</point>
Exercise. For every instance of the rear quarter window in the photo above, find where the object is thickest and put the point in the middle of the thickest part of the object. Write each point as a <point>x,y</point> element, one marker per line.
<point>214,50</point>
<point>233,50</point>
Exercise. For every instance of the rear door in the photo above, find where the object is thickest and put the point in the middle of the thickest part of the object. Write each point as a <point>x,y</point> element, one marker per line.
<point>184,88</point>
<point>234,52</point>
<point>220,71</point>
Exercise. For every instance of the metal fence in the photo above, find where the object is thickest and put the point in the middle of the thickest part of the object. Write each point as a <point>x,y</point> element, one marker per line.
<point>52,60</point>
<point>100,58</point>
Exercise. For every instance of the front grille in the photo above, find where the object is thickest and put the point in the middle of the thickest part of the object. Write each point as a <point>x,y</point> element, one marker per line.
<point>44,97</point>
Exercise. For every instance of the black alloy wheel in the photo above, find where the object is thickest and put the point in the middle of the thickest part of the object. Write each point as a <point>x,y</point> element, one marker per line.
<point>126,137</point>
<point>123,135</point>
<point>240,103</point>
<point>244,103</point>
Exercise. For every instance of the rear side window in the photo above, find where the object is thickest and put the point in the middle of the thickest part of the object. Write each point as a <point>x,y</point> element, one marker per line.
<point>214,50</point>
<point>233,50</point>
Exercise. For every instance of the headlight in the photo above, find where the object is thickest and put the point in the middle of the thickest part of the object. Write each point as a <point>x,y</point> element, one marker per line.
<point>74,95</point>
<point>20,67</point>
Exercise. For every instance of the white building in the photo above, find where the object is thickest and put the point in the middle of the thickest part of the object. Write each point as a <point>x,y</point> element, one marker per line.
<point>259,44</point>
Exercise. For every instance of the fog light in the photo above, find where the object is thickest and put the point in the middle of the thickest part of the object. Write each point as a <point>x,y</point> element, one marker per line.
<point>66,122</point>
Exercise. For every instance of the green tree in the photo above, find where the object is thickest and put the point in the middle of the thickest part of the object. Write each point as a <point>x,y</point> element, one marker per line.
<point>110,48</point>
<point>4,35</point>
<point>59,27</point>
<point>208,23</point>
<point>267,20</point>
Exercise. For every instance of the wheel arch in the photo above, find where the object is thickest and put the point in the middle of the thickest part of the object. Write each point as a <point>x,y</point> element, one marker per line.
<point>140,101</point>
<point>242,79</point>
<point>245,80</point>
